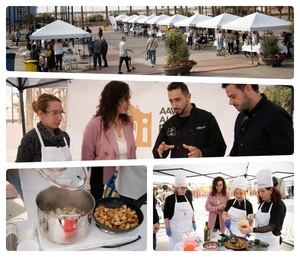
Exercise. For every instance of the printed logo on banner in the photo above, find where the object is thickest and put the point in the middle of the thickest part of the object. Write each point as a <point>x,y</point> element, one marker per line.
<point>165,113</point>
<point>142,125</point>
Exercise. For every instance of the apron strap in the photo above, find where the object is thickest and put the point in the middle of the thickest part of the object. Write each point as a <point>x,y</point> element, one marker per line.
<point>39,136</point>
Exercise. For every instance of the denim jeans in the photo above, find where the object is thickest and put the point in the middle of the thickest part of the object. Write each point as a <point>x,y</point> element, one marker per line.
<point>97,57</point>
<point>152,56</point>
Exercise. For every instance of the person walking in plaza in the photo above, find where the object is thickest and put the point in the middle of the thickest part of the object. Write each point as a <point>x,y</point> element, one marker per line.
<point>151,47</point>
<point>237,208</point>
<point>179,215</point>
<point>261,127</point>
<point>104,50</point>
<point>229,37</point>
<point>270,215</point>
<point>58,51</point>
<point>123,53</point>
<point>215,204</point>
<point>220,42</point>
<point>191,132</point>
<point>50,57</point>
<point>96,50</point>
<point>17,36</point>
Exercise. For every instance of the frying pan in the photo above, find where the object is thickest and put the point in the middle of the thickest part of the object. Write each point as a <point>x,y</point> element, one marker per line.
<point>116,203</point>
<point>227,239</point>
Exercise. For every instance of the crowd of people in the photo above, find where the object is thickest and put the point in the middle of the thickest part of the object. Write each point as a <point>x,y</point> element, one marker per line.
<point>228,210</point>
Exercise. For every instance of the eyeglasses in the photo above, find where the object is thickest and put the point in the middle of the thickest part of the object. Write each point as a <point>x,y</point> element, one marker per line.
<point>55,113</point>
<point>183,188</point>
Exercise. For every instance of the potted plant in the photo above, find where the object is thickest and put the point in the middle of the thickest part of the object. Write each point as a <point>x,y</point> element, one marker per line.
<point>177,54</point>
<point>271,51</point>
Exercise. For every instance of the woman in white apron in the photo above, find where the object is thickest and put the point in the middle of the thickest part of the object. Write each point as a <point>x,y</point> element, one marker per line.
<point>270,215</point>
<point>178,213</point>
<point>46,142</point>
<point>238,208</point>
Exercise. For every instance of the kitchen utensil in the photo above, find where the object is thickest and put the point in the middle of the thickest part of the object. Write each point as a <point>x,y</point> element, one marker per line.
<point>60,227</point>
<point>72,178</point>
<point>116,203</point>
<point>232,237</point>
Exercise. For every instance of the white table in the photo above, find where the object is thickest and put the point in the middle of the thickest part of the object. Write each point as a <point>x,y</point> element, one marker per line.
<point>69,60</point>
<point>257,49</point>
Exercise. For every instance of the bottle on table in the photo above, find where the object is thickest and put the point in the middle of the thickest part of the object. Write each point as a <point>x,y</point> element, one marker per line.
<point>206,232</point>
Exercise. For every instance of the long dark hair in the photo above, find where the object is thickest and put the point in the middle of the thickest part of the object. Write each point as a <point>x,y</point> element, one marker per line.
<point>275,197</point>
<point>214,184</point>
<point>111,95</point>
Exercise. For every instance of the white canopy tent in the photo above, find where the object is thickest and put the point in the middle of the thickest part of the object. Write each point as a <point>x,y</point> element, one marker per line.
<point>59,30</point>
<point>129,19</point>
<point>257,22</point>
<point>120,17</point>
<point>156,19</point>
<point>170,21</point>
<point>217,21</point>
<point>140,19</point>
<point>152,16</point>
<point>192,21</point>
<point>205,172</point>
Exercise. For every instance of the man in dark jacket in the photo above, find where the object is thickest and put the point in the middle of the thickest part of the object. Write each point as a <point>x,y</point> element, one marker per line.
<point>262,127</point>
<point>191,132</point>
<point>104,49</point>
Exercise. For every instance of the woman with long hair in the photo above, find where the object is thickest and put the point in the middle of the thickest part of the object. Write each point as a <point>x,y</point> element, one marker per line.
<point>109,134</point>
<point>270,215</point>
<point>215,204</point>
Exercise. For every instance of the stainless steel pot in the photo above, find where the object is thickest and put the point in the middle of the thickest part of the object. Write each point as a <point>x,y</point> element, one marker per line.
<point>64,228</point>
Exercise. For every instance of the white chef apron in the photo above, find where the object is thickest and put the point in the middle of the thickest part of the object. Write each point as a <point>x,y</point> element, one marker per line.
<point>132,181</point>
<point>181,222</point>
<point>236,215</point>
<point>263,219</point>
<point>32,182</point>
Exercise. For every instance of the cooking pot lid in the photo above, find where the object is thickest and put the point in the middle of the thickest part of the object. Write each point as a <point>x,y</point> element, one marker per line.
<point>72,178</point>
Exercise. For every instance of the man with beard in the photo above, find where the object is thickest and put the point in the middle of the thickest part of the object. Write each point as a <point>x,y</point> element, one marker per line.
<point>261,127</point>
<point>191,132</point>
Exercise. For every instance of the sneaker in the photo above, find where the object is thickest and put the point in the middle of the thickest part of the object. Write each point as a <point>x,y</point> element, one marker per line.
<point>129,70</point>
<point>120,72</point>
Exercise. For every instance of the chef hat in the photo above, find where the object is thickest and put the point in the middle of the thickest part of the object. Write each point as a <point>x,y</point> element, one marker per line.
<point>180,180</point>
<point>240,182</point>
<point>264,179</point>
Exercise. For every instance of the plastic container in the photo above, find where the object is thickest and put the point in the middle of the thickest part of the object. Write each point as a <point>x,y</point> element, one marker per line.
<point>10,61</point>
<point>30,65</point>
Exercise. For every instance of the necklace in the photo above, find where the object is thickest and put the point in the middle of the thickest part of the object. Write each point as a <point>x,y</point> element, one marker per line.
<point>118,128</point>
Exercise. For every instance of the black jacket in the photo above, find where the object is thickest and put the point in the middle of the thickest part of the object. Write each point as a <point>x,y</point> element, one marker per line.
<point>266,130</point>
<point>200,129</point>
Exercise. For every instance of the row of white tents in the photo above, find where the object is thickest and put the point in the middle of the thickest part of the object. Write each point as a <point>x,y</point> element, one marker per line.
<point>252,22</point>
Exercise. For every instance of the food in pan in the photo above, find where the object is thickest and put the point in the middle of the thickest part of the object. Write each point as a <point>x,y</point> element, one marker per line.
<point>241,243</point>
<point>65,211</point>
<point>118,218</point>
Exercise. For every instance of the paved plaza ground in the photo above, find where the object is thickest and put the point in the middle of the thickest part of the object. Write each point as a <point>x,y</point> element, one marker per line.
<point>208,64</point>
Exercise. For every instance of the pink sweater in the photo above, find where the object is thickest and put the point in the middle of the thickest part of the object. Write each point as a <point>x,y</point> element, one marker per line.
<point>211,206</point>
<point>98,144</point>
